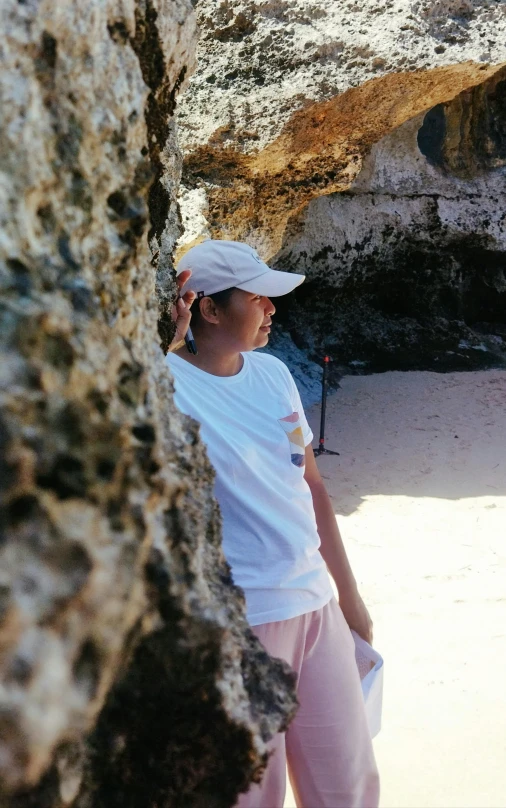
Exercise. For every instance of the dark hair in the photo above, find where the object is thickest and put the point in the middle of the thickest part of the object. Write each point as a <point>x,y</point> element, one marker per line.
<point>220,298</point>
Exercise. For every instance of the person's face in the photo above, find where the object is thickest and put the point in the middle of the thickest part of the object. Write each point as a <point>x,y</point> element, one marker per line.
<point>245,322</point>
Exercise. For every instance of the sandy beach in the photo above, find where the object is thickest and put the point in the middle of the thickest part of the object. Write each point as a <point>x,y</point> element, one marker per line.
<point>420,494</point>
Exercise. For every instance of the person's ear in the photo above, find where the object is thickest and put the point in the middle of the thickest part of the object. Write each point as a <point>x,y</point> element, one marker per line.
<point>208,310</point>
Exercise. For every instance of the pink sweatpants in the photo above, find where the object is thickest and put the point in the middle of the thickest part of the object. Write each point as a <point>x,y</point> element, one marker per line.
<point>327,746</point>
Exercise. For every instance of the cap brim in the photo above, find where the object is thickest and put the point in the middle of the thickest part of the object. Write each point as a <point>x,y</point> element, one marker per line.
<point>272,283</point>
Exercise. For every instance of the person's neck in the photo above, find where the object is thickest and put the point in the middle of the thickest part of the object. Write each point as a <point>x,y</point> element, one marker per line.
<point>214,358</point>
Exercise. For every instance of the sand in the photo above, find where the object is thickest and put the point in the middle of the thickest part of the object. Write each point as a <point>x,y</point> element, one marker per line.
<point>420,494</point>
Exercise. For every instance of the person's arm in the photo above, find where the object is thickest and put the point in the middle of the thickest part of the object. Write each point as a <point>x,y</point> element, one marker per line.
<point>334,554</point>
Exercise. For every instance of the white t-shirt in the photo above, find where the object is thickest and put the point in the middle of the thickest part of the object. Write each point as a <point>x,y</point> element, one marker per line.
<point>255,430</point>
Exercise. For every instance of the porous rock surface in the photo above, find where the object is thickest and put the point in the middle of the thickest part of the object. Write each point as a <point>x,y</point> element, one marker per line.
<point>128,674</point>
<point>365,145</point>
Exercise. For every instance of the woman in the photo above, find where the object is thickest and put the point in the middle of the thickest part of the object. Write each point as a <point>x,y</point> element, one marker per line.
<point>279,529</point>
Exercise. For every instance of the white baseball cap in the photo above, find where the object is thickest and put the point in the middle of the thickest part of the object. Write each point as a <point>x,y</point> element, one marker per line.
<point>217,265</point>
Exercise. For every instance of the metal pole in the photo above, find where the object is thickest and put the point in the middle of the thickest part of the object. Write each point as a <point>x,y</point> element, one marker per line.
<point>326,361</point>
<point>321,445</point>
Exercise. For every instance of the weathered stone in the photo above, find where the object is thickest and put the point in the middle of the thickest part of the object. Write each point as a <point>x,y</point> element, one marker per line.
<point>413,255</point>
<point>322,149</point>
<point>259,61</point>
<point>128,674</point>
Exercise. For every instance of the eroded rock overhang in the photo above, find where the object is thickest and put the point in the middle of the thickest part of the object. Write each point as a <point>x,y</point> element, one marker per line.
<point>323,147</point>
<point>389,197</point>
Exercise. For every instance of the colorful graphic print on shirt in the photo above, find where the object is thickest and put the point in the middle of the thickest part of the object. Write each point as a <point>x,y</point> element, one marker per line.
<point>293,430</point>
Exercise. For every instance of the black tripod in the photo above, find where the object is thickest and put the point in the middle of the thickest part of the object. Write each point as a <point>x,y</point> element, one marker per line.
<point>321,444</point>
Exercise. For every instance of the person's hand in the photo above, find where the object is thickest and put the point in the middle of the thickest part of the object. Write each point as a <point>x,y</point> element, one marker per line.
<point>356,615</point>
<point>181,314</point>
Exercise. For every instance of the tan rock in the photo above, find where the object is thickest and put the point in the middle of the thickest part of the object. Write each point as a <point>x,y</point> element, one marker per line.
<point>118,615</point>
<point>322,149</point>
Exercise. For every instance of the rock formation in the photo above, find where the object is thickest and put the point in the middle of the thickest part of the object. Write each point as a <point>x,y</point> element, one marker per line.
<point>365,146</point>
<point>128,674</point>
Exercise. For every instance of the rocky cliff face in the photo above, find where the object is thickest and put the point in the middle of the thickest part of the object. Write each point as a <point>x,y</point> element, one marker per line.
<point>365,146</point>
<point>128,675</point>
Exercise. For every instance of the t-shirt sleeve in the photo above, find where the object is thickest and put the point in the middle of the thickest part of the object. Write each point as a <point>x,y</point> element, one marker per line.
<point>297,406</point>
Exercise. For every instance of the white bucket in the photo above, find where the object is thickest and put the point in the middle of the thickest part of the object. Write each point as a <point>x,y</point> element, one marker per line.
<point>370,669</point>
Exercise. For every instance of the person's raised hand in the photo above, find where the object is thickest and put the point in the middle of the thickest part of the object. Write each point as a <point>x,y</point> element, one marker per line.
<point>181,314</point>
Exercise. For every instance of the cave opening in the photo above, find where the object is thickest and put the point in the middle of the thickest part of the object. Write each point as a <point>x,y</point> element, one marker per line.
<point>413,308</point>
